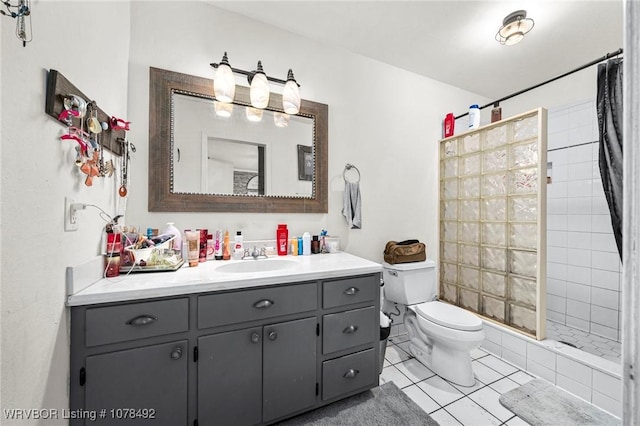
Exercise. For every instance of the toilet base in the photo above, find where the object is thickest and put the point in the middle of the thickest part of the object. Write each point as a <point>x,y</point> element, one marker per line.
<point>449,363</point>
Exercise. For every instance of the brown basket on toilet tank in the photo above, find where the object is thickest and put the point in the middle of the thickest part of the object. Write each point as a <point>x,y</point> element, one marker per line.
<point>405,252</point>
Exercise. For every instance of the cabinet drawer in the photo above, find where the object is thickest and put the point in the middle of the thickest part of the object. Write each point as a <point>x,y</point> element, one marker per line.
<point>348,373</point>
<point>349,290</point>
<point>248,305</point>
<point>133,321</point>
<point>348,329</point>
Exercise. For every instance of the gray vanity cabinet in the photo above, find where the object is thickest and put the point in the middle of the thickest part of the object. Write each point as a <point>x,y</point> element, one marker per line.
<point>129,379</point>
<point>246,356</point>
<point>257,374</point>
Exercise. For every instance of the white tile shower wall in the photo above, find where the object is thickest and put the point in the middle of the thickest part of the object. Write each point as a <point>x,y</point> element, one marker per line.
<point>587,376</point>
<point>583,271</point>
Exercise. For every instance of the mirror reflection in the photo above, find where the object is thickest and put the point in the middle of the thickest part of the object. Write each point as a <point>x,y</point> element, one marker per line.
<point>231,149</point>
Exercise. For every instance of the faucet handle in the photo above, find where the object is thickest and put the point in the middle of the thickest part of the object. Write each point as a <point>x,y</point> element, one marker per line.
<point>263,251</point>
<point>246,252</point>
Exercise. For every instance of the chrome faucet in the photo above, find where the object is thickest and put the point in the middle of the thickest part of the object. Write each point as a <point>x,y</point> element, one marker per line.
<point>255,254</point>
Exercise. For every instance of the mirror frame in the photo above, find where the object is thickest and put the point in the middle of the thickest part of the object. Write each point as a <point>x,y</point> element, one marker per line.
<point>162,84</point>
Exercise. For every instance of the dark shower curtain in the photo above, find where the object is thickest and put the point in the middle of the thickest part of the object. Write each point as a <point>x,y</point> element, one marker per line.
<point>610,130</point>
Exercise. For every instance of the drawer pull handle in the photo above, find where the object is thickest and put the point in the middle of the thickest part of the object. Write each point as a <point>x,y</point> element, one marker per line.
<point>142,320</point>
<point>176,354</point>
<point>255,337</point>
<point>263,304</point>
<point>351,373</point>
<point>351,291</point>
<point>350,329</point>
<point>273,335</point>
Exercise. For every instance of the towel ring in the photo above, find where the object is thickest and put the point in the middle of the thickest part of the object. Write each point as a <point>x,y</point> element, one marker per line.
<point>349,166</point>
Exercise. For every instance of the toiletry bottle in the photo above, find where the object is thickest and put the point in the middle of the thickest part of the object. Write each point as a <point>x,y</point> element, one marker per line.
<point>193,243</point>
<point>282,238</point>
<point>217,245</point>
<point>315,245</point>
<point>177,241</point>
<point>238,246</point>
<point>448,126</point>
<point>210,247</point>
<point>294,246</point>
<point>299,246</point>
<point>204,233</point>
<point>474,117</point>
<point>226,250</point>
<point>306,244</point>
<point>496,112</point>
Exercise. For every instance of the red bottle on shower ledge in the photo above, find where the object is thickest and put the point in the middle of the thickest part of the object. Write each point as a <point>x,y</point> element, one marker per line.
<point>282,240</point>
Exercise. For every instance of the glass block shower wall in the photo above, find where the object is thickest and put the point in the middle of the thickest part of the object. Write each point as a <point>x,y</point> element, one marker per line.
<point>493,221</point>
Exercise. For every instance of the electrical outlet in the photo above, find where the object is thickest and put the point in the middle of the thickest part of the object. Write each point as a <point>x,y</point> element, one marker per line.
<point>70,216</point>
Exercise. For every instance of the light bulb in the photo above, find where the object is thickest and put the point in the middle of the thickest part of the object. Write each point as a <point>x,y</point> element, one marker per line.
<point>280,119</point>
<point>224,85</point>
<point>291,95</point>
<point>254,114</point>
<point>223,109</point>
<point>259,92</point>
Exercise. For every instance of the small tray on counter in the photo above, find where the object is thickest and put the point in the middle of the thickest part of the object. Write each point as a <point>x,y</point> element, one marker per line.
<point>153,268</point>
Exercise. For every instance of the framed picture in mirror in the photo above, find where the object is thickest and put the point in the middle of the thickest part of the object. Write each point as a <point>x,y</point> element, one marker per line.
<point>305,163</point>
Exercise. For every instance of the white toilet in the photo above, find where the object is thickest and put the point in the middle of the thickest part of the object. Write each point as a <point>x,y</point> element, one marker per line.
<point>441,336</point>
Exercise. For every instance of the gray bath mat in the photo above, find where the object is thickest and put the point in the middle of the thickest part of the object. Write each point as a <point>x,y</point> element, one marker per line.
<point>385,405</point>
<point>541,403</point>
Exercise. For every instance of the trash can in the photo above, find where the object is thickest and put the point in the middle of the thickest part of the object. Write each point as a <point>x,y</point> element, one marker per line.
<point>385,330</point>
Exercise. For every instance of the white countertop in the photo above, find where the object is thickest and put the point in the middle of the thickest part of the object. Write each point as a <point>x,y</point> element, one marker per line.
<point>207,278</point>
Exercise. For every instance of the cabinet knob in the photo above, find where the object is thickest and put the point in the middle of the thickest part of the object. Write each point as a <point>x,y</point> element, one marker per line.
<point>142,320</point>
<point>350,329</point>
<point>273,335</point>
<point>255,337</point>
<point>263,304</point>
<point>351,291</point>
<point>176,353</point>
<point>351,373</point>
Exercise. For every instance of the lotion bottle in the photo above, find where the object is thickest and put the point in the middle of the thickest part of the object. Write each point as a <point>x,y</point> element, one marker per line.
<point>226,250</point>
<point>238,246</point>
<point>306,244</point>
<point>282,238</point>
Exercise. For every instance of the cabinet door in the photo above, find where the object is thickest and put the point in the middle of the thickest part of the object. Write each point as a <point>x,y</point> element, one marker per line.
<point>125,383</point>
<point>289,359</point>
<point>230,378</point>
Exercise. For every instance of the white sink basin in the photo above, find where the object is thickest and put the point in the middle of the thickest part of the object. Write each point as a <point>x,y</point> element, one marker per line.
<point>260,265</point>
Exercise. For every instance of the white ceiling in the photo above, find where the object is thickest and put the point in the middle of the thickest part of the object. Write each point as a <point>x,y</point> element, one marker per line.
<point>453,41</point>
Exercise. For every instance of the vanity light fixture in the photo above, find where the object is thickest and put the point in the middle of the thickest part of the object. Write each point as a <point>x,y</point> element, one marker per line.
<point>224,86</point>
<point>514,26</point>
<point>291,95</point>
<point>259,91</point>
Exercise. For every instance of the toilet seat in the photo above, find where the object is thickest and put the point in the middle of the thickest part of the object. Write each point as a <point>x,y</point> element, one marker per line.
<point>449,316</point>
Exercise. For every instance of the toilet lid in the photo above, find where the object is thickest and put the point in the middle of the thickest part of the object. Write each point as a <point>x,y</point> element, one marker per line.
<point>449,316</point>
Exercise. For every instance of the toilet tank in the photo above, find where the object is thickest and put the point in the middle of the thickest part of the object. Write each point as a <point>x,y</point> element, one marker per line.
<point>410,283</point>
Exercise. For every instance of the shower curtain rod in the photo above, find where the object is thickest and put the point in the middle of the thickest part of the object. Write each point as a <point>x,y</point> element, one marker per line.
<point>497,101</point>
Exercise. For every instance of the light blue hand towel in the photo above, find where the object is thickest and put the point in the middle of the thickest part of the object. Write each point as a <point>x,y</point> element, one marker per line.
<point>352,205</point>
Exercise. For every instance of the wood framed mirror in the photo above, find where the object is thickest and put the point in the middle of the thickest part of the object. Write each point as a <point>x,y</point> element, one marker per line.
<point>184,157</point>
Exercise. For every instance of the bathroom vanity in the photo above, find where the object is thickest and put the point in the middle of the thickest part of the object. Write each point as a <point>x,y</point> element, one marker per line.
<point>203,346</point>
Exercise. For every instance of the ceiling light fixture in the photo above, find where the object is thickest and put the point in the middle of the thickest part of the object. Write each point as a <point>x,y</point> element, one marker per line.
<point>259,91</point>
<point>514,26</point>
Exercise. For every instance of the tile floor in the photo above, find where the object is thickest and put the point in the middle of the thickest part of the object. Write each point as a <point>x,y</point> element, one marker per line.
<point>583,340</point>
<point>450,404</point>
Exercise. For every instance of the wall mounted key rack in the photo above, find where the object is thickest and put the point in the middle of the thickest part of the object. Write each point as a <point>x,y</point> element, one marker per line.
<point>59,89</point>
